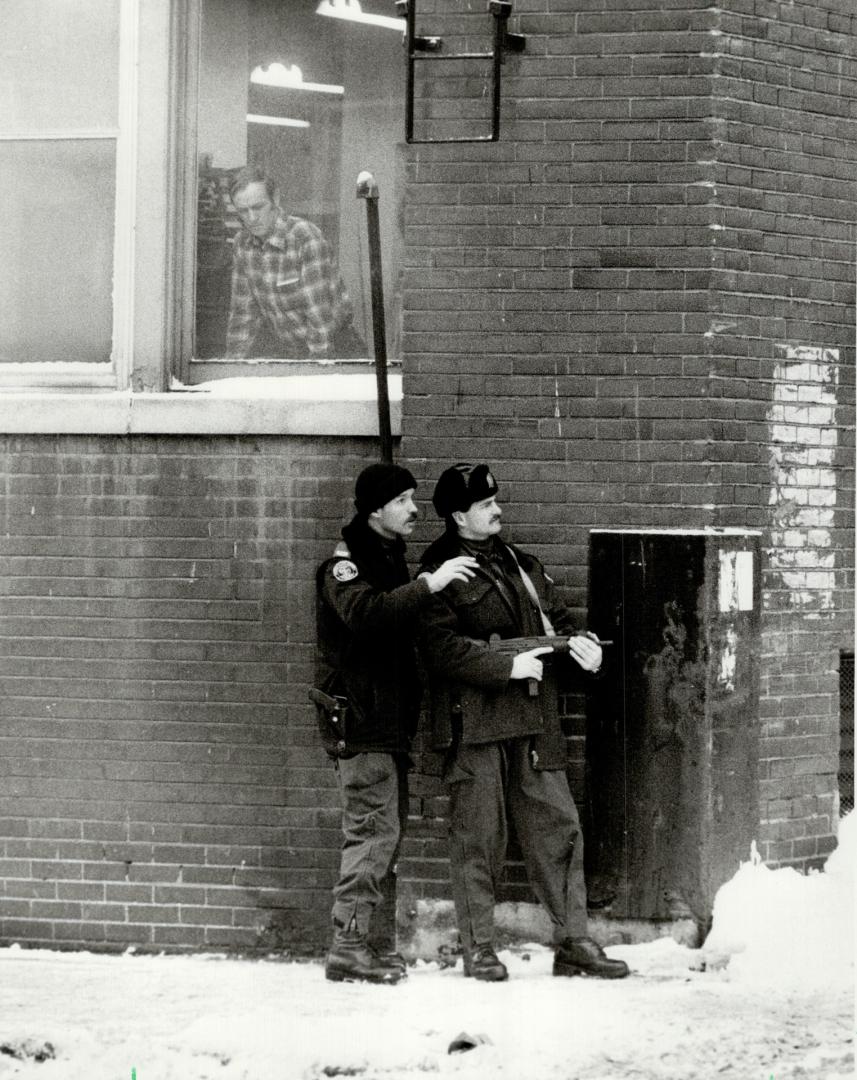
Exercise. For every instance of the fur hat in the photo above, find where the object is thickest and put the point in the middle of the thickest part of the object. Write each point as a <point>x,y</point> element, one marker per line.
<point>462,485</point>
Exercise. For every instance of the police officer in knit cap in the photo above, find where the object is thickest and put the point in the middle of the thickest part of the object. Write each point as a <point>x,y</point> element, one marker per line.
<point>504,749</point>
<point>367,697</point>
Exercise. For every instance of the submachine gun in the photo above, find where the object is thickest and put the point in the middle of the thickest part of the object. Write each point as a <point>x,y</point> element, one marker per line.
<point>557,643</point>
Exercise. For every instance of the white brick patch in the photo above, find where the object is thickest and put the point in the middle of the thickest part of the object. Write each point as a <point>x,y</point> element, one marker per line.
<point>802,424</point>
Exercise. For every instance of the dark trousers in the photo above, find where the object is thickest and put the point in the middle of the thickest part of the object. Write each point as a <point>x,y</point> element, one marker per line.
<point>489,785</point>
<point>374,792</point>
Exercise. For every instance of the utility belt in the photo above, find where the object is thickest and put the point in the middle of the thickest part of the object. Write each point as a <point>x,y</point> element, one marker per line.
<point>332,711</point>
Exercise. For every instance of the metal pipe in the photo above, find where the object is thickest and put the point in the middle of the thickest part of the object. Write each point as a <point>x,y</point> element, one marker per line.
<point>367,189</point>
<point>496,61</point>
<point>410,16</point>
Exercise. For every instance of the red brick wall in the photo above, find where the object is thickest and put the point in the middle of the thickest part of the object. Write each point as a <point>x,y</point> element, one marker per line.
<point>160,781</point>
<point>639,306</point>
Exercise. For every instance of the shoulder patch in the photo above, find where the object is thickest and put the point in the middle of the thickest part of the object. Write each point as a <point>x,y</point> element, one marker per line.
<point>344,570</point>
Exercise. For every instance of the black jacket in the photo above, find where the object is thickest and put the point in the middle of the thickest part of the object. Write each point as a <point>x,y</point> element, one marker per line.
<point>367,613</point>
<point>472,696</point>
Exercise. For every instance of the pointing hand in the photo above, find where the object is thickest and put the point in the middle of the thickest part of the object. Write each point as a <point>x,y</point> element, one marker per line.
<point>458,569</point>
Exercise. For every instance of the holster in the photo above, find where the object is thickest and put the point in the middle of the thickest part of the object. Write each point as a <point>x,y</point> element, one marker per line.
<point>332,712</point>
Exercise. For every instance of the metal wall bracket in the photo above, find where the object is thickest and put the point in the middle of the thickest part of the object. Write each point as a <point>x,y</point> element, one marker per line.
<point>431,48</point>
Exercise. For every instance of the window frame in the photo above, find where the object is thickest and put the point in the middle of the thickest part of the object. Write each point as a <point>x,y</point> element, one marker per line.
<point>188,369</point>
<point>184,88</point>
<point>140,390</point>
<point>155,76</point>
<point>114,372</point>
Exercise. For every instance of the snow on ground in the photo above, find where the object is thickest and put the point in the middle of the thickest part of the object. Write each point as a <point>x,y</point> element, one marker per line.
<point>769,995</point>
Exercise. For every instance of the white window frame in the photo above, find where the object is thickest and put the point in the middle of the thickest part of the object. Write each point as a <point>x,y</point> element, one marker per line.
<point>115,372</point>
<point>154,280</point>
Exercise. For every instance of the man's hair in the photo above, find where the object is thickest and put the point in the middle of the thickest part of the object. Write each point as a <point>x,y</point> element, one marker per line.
<point>252,174</point>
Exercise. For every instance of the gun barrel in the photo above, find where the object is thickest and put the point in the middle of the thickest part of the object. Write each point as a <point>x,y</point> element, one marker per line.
<point>515,645</point>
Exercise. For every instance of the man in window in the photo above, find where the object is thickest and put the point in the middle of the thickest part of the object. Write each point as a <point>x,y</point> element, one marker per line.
<point>288,297</point>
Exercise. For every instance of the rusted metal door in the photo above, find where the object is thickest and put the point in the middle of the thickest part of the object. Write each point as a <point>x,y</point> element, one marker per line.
<point>672,741</point>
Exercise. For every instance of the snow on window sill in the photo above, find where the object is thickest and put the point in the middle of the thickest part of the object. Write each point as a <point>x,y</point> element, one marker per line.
<point>288,405</point>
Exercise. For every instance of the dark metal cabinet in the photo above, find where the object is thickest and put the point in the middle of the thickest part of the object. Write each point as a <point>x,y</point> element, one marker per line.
<point>672,738</point>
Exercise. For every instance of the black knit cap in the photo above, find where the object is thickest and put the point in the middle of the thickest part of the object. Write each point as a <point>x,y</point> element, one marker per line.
<point>460,486</point>
<point>378,484</point>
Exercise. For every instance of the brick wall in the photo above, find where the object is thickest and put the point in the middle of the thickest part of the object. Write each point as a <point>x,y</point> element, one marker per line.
<point>808,600</point>
<point>639,306</point>
<point>160,780</point>
<point>784,184</point>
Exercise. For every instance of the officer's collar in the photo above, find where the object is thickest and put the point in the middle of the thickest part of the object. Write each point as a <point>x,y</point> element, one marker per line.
<point>490,549</point>
<point>357,532</point>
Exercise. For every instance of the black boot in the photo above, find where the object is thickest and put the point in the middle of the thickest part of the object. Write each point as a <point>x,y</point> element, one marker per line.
<point>351,959</point>
<point>387,954</point>
<point>481,962</point>
<point>583,956</point>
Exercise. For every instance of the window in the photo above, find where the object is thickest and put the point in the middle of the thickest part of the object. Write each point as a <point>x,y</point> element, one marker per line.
<point>122,124</point>
<point>312,101</point>
<point>59,156</point>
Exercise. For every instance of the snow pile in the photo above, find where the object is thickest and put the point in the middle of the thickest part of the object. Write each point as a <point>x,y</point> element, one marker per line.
<point>662,958</point>
<point>783,928</point>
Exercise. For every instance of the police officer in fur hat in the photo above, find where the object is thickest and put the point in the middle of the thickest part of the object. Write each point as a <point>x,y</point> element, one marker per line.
<point>367,696</point>
<point>495,717</point>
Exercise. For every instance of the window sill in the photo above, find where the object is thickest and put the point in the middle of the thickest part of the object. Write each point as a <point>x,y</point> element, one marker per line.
<point>287,405</point>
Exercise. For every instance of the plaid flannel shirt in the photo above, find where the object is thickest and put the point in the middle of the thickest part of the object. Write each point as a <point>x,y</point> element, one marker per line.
<point>289,282</point>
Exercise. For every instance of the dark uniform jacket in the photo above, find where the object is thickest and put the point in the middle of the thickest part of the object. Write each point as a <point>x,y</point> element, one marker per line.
<point>472,697</point>
<point>367,612</point>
